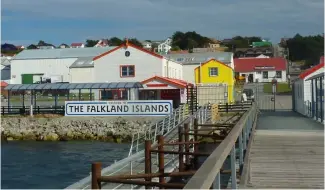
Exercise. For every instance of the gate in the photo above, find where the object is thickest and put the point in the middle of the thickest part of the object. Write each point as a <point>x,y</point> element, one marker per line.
<point>269,101</point>
<point>203,94</point>
<point>265,101</point>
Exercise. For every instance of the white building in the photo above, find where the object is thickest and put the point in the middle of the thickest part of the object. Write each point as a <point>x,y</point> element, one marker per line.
<point>303,89</point>
<point>77,45</point>
<point>5,69</point>
<point>192,60</point>
<point>129,63</point>
<point>146,45</point>
<point>30,65</point>
<point>261,69</point>
<point>165,46</point>
<point>102,43</point>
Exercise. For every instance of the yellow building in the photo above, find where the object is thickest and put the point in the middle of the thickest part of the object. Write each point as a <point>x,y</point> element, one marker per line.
<point>216,72</point>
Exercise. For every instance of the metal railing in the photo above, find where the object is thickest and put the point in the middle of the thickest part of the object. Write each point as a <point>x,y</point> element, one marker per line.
<point>161,127</point>
<point>209,173</point>
<point>136,159</point>
<point>25,110</point>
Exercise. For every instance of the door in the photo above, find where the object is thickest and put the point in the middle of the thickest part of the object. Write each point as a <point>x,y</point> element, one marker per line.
<point>27,79</point>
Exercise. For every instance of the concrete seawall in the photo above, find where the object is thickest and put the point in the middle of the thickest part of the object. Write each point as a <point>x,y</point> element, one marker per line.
<point>111,129</point>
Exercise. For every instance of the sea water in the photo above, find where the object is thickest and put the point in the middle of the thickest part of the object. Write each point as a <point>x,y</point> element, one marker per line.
<point>53,165</point>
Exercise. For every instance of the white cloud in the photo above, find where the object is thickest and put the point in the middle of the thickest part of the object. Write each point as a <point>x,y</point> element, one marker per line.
<point>159,18</point>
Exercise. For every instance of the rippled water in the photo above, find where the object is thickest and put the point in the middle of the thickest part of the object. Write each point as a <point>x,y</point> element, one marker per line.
<point>53,165</point>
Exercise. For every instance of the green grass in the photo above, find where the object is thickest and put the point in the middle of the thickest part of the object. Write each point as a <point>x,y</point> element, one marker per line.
<point>281,88</point>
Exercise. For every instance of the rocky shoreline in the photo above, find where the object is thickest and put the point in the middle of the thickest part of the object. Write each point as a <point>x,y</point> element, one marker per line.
<point>66,128</point>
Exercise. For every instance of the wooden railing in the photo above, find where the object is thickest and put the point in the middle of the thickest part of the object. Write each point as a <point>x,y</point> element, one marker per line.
<point>208,175</point>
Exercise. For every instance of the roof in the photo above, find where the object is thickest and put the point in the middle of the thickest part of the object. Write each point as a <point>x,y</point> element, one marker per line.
<point>126,45</point>
<point>3,84</point>
<point>196,58</point>
<point>83,62</point>
<point>5,61</point>
<point>176,82</point>
<point>316,76</point>
<point>216,61</point>
<point>313,69</point>
<point>72,86</point>
<point>249,65</point>
<point>60,53</point>
<point>76,44</point>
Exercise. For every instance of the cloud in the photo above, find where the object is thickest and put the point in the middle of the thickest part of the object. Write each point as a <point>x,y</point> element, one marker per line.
<point>159,19</point>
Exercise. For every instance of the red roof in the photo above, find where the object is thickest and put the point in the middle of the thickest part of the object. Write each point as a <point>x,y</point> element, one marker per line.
<point>125,45</point>
<point>313,69</point>
<point>249,65</point>
<point>176,82</point>
<point>76,44</point>
<point>4,84</point>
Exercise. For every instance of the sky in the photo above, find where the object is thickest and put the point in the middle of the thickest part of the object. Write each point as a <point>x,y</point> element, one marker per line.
<point>66,21</point>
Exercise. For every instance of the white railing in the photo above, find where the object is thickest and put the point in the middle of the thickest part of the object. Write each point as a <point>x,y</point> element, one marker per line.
<point>161,127</point>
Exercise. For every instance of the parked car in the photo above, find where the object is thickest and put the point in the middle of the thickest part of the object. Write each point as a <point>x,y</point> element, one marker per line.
<point>249,94</point>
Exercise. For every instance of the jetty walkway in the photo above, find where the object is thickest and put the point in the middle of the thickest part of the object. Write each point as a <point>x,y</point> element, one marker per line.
<point>251,148</point>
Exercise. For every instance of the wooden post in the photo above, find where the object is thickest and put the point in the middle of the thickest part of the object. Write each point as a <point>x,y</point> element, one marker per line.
<point>180,149</point>
<point>147,155</point>
<point>96,169</point>
<point>187,146</point>
<point>161,162</point>
<point>195,158</point>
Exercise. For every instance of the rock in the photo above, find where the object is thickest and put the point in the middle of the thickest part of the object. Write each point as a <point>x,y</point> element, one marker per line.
<point>65,128</point>
<point>51,137</point>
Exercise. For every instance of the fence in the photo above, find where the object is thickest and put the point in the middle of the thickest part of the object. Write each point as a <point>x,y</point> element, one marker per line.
<point>214,93</point>
<point>184,145</point>
<point>25,110</point>
<point>209,173</point>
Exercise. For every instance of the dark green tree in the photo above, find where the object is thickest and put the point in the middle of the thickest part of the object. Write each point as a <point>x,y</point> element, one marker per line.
<point>91,43</point>
<point>32,46</point>
<point>305,48</point>
<point>189,40</point>
<point>115,41</point>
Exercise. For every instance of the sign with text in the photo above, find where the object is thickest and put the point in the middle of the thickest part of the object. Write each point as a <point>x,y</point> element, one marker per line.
<point>119,108</point>
<point>264,67</point>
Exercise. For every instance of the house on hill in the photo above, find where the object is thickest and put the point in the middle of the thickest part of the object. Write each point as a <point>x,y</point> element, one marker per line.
<point>77,45</point>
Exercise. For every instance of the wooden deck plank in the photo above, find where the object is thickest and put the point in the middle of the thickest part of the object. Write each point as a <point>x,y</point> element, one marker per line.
<point>287,159</point>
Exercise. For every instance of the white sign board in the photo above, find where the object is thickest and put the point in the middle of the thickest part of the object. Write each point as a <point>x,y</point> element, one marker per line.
<point>119,108</point>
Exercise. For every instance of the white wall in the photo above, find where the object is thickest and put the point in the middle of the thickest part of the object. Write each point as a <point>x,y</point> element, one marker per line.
<point>303,93</point>
<point>172,69</point>
<point>40,66</point>
<point>271,74</point>
<point>188,72</point>
<point>300,104</point>
<point>107,68</point>
<point>82,75</point>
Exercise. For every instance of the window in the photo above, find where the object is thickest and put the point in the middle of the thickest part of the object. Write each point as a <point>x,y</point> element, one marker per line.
<point>265,74</point>
<point>278,74</point>
<point>213,71</point>
<point>127,71</point>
